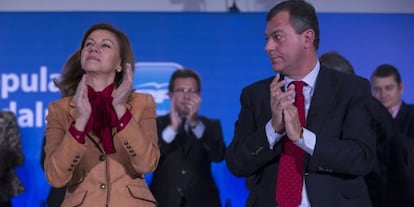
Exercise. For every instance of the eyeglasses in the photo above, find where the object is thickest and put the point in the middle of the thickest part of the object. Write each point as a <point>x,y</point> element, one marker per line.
<point>185,90</point>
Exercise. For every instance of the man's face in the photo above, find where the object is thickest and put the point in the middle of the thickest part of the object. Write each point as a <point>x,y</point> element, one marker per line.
<point>184,91</point>
<point>387,90</point>
<point>284,46</point>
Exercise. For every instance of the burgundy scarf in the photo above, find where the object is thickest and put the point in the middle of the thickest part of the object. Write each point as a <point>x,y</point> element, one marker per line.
<point>103,117</point>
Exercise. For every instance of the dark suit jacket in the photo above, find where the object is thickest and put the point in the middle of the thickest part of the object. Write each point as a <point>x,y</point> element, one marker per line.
<point>184,176</point>
<point>344,150</point>
<point>405,122</point>
<point>387,181</point>
<point>411,156</point>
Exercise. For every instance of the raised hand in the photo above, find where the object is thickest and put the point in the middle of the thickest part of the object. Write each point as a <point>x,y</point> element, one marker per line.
<point>194,106</point>
<point>122,93</point>
<point>175,118</point>
<point>292,122</point>
<point>83,106</point>
<point>279,101</point>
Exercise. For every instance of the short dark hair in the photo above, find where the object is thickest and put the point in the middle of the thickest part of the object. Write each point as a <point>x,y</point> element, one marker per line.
<point>336,61</point>
<point>184,73</point>
<point>302,16</point>
<point>387,70</point>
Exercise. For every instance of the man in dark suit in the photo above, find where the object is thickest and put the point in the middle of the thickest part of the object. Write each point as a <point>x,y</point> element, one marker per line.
<point>189,143</point>
<point>387,87</point>
<point>336,145</point>
<point>386,182</point>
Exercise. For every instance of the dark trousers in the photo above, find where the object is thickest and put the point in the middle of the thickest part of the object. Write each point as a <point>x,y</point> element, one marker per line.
<point>5,204</point>
<point>56,196</point>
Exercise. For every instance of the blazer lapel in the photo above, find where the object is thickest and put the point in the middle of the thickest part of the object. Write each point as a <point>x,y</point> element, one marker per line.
<point>322,100</point>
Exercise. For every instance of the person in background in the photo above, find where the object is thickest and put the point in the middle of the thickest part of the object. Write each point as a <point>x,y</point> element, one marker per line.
<point>189,143</point>
<point>101,138</point>
<point>386,182</point>
<point>387,87</point>
<point>334,60</point>
<point>303,137</point>
<point>11,156</point>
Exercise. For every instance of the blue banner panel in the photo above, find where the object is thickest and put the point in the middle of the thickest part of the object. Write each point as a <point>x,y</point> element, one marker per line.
<point>226,49</point>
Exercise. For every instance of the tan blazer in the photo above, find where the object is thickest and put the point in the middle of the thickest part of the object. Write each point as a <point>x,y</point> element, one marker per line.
<point>92,177</point>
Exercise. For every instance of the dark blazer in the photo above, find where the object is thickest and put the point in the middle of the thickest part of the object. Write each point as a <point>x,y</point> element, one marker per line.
<point>386,182</point>
<point>405,122</point>
<point>183,176</point>
<point>344,150</point>
<point>411,156</point>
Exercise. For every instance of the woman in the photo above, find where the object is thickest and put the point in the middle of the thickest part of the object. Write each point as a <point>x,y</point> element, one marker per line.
<point>11,156</point>
<point>101,138</point>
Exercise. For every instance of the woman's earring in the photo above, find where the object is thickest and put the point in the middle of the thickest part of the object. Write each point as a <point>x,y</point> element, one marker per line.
<point>118,70</point>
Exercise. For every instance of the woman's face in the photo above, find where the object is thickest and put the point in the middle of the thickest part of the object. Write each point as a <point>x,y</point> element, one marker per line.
<point>100,53</point>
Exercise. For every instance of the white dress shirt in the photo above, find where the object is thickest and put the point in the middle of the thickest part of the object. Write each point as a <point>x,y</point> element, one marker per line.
<point>308,141</point>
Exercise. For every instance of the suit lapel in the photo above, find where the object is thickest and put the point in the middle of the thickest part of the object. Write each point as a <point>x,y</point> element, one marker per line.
<point>400,118</point>
<point>322,100</point>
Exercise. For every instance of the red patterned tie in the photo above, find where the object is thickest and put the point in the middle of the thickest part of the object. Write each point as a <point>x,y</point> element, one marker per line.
<point>290,173</point>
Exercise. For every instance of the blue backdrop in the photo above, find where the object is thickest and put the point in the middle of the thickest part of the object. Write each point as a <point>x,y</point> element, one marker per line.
<point>225,48</point>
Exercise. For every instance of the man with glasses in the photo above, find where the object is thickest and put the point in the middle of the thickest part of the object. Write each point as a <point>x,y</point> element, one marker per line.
<point>188,143</point>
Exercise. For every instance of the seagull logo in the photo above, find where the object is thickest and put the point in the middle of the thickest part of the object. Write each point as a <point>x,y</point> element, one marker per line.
<point>152,78</point>
<point>157,90</point>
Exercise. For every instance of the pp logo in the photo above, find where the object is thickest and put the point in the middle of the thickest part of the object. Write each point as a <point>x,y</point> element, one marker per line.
<point>152,78</point>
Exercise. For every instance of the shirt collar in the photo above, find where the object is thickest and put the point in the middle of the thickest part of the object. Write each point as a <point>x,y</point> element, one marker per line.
<point>309,79</point>
<point>394,110</point>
